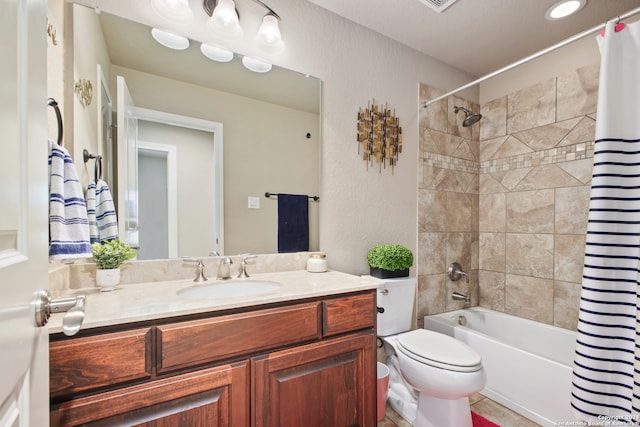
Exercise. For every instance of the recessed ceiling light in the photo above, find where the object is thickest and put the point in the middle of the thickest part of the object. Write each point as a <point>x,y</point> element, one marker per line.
<point>564,8</point>
<point>170,40</point>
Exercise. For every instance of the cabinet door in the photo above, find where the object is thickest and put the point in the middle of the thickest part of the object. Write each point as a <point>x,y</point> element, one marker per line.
<point>212,397</point>
<point>329,383</point>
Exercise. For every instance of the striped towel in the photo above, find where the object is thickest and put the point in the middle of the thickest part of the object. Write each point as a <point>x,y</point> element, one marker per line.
<point>68,223</point>
<point>103,223</point>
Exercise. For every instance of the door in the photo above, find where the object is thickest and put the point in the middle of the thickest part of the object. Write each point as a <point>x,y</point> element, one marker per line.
<point>128,175</point>
<point>24,381</point>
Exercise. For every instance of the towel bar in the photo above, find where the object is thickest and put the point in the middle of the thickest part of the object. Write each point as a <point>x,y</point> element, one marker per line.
<point>268,195</point>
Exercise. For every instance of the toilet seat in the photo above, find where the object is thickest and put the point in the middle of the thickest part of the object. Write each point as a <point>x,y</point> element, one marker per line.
<point>439,350</point>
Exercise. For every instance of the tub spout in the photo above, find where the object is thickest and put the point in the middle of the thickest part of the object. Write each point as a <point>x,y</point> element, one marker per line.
<point>460,297</point>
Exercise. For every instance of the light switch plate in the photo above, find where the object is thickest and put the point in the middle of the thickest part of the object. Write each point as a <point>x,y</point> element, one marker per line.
<point>253,202</point>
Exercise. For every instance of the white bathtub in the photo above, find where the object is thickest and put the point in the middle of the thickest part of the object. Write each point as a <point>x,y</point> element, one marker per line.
<point>528,364</point>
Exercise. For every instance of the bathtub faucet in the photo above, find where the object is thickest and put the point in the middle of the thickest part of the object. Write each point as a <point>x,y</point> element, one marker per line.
<point>459,297</point>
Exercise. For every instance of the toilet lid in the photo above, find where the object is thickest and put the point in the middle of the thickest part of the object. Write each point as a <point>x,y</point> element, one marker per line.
<point>440,350</point>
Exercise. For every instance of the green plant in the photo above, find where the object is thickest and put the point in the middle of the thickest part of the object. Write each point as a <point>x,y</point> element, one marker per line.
<point>390,257</point>
<point>111,254</point>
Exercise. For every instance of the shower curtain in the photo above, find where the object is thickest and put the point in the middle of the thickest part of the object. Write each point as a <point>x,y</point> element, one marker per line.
<point>606,373</point>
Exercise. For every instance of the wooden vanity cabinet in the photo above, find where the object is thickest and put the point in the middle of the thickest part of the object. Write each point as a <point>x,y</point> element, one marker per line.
<point>310,363</point>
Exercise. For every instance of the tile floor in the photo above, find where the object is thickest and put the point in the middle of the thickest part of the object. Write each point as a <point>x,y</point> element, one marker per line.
<point>481,405</point>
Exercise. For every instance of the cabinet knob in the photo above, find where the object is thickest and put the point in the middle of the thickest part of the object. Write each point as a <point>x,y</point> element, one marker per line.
<point>380,310</point>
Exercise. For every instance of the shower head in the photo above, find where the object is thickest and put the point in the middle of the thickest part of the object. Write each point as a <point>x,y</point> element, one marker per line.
<point>470,117</point>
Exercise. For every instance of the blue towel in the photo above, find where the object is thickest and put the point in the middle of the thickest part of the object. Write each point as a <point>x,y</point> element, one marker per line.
<point>68,223</point>
<point>103,223</point>
<point>293,223</point>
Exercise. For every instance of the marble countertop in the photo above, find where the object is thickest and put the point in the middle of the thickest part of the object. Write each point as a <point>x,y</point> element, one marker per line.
<point>155,300</point>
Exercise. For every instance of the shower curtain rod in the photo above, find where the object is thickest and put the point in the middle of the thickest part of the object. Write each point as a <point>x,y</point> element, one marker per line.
<point>531,57</point>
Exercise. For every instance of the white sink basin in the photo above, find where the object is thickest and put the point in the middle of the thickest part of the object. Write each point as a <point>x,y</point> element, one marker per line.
<point>229,289</point>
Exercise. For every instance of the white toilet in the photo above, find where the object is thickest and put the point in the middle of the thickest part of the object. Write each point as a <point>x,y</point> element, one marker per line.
<point>432,375</point>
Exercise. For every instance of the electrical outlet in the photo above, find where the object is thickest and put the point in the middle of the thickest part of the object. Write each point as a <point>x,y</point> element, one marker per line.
<point>253,202</point>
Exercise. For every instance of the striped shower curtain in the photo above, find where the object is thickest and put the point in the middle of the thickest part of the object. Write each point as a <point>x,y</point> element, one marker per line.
<point>606,374</point>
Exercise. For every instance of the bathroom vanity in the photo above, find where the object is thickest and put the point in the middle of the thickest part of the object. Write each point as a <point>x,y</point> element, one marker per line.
<point>302,355</point>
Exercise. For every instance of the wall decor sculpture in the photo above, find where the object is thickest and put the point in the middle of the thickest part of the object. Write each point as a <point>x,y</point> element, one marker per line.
<point>379,135</point>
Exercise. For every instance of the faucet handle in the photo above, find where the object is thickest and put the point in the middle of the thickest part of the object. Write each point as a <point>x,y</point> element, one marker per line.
<point>455,272</point>
<point>243,266</point>
<point>200,277</point>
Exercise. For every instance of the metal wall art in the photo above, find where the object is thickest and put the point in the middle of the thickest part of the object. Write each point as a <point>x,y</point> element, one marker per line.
<point>379,135</point>
<point>84,91</point>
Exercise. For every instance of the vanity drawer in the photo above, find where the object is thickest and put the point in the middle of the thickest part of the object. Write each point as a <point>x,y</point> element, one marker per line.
<point>202,341</point>
<point>348,313</point>
<point>81,364</point>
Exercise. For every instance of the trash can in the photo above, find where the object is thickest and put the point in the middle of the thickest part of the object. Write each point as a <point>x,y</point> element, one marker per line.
<point>383,389</point>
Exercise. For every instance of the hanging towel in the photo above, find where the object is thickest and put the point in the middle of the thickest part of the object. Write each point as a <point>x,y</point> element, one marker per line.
<point>103,223</point>
<point>293,223</point>
<point>68,223</point>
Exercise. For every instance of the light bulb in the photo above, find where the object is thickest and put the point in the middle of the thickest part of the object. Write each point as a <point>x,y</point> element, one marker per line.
<point>269,35</point>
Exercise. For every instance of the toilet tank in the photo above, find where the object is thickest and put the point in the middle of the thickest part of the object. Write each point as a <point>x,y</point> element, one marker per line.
<point>397,298</point>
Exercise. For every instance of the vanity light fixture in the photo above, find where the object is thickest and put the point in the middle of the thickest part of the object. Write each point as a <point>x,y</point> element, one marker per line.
<point>564,8</point>
<point>216,53</point>
<point>225,21</point>
<point>256,65</point>
<point>173,10</point>
<point>169,39</point>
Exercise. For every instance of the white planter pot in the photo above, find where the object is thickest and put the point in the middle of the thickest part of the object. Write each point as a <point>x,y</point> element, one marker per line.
<point>107,280</point>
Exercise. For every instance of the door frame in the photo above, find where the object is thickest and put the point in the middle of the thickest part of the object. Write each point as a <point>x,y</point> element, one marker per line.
<point>216,128</point>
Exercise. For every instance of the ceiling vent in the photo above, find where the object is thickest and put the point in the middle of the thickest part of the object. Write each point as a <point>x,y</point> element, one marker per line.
<point>438,5</point>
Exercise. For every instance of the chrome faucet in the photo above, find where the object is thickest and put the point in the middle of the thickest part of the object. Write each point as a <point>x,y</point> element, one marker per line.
<point>224,269</point>
<point>460,297</point>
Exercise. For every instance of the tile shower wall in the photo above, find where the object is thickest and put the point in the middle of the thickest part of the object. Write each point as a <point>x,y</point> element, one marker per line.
<point>523,190</point>
<point>447,203</point>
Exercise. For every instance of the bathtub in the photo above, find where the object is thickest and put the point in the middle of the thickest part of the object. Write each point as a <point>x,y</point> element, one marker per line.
<point>528,364</point>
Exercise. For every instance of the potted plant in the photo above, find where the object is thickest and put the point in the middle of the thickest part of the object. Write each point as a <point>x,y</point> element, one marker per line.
<point>108,257</point>
<point>388,261</point>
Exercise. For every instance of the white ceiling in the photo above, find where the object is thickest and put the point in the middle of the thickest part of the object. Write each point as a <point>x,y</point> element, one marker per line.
<point>476,36</point>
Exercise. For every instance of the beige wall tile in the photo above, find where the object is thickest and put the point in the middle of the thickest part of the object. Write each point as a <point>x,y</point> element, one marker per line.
<point>431,294</point>
<point>511,147</point>
<point>492,252</point>
<point>459,249</point>
<point>569,257</point>
<point>532,107</point>
<point>566,304</point>
<point>584,131</point>
<point>546,176</point>
<point>432,258</point>
<point>529,297</point>
<point>578,92</point>
<point>494,119</point>
<point>432,210</point>
<point>492,213</point>
<point>572,209</point>
<point>491,289</point>
<point>530,211</point>
<point>529,254</point>
<point>435,116</point>
<point>489,147</point>
<point>458,212</point>
<point>546,137</point>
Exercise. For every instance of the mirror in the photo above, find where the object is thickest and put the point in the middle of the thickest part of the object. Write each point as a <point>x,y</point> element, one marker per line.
<point>270,122</point>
